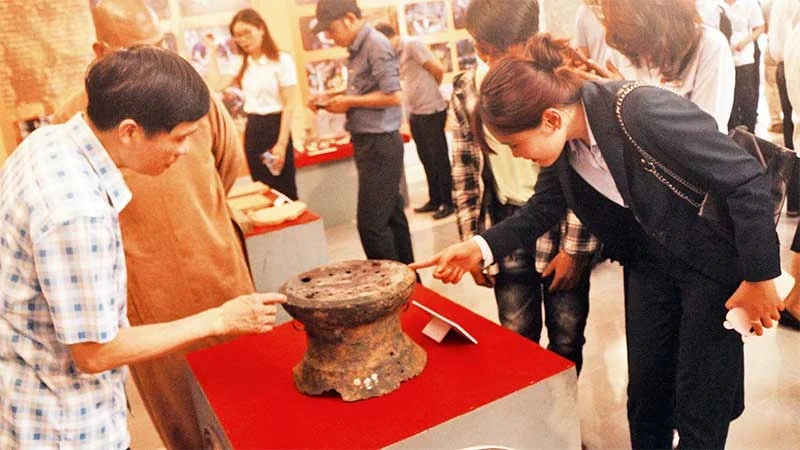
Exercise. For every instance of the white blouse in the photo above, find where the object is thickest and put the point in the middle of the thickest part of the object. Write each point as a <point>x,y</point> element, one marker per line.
<point>262,83</point>
<point>708,80</point>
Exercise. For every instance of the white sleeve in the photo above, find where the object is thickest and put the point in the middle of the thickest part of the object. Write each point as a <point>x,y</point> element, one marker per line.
<point>580,39</point>
<point>756,17</point>
<point>287,73</point>
<point>715,78</point>
<point>486,252</point>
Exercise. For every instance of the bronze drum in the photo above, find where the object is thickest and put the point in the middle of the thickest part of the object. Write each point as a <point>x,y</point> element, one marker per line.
<point>351,314</point>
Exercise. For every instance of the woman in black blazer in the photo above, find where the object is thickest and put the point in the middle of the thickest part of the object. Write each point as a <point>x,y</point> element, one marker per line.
<point>685,370</point>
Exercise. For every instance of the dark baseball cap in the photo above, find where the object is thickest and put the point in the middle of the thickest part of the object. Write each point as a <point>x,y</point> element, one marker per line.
<point>330,10</point>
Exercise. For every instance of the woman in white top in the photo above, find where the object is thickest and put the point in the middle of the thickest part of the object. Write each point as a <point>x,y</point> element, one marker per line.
<point>747,24</point>
<point>665,42</point>
<point>268,79</point>
<point>590,34</point>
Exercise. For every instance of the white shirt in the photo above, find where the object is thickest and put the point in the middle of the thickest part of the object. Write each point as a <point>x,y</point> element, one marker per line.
<point>62,281</point>
<point>781,17</point>
<point>745,16</point>
<point>792,69</point>
<point>590,33</point>
<point>262,83</point>
<point>708,80</point>
<point>709,11</point>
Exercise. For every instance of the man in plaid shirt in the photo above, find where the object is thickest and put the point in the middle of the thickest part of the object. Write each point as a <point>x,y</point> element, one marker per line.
<point>64,335</point>
<point>488,187</point>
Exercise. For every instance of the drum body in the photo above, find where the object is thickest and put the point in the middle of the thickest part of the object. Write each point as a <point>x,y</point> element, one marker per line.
<point>351,314</point>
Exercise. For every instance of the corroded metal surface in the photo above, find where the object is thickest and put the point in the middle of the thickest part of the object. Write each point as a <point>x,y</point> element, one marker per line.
<point>351,314</point>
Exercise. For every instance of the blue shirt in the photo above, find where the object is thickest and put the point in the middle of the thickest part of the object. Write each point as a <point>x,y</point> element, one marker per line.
<point>62,281</point>
<point>372,66</point>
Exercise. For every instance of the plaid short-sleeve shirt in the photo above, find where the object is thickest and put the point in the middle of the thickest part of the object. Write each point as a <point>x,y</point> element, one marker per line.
<point>62,281</point>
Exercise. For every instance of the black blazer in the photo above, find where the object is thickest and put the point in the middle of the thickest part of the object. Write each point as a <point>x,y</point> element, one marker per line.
<point>685,139</point>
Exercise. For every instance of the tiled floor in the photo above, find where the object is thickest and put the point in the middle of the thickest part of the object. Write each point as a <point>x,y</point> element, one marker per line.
<point>771,419</point>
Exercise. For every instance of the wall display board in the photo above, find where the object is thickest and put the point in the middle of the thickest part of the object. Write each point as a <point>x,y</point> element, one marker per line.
<point>439,23</point>
<point>44,50</point>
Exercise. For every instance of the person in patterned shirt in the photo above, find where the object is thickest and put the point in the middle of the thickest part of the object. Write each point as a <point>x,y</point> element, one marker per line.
<point>64,335</point>
<point>488,187</point>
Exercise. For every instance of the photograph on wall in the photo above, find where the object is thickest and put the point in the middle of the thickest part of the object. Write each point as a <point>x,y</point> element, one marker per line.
<point>199,45</point>
<point>426,18</point>
<point>442,52</point>
<point>465,51</point>
<point>327,76</point>
<point>199,7</point>
<point>161,7</point>
<point>459,13</point>
<point>386,15</point>
<point>311,40</point>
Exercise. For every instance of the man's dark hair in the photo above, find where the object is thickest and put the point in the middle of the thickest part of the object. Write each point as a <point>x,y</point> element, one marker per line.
<point>386,29</point>
<point>154,87</point>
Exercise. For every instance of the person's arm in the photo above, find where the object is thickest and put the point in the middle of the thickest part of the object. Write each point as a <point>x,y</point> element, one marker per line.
<point>715,78</point>
<point>538,215</point>
<point>225,145</point>
<point>280,148</point>
<point>252,313</point>
<point>373,100</point>
<point>750,38</point>
<point>703,155</point>
<point>467,162</point>
<point>436,69</point>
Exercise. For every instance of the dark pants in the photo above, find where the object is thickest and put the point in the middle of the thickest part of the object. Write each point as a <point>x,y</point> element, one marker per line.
<point>521,292</point>
<point>793,188</point>
<point>685,370</point>
<point>382,224</point>
<point>260,135</point>
<point>745,98</point>
<point>428,133</point>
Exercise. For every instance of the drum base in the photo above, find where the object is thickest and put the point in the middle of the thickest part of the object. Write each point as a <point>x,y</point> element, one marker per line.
<point>361,362</point>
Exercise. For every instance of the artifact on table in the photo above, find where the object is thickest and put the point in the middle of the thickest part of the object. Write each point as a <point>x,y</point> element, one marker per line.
<point>351,314</point>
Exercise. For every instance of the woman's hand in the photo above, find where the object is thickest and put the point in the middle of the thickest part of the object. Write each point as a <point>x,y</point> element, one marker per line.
<point>278,153</point>
<point>481,278</point>
<point>452,262</point>
<point>760,301</point>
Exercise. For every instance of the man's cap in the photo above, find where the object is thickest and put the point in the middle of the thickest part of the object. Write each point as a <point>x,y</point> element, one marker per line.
<point>330,10</point>
<point>124,23</point>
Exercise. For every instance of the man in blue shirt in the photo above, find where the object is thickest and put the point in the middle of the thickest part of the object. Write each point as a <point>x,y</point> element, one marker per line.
<point>64,334</point>
<point>372,104</point>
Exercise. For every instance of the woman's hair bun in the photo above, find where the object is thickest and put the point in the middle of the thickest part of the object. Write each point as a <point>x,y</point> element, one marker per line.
<point>546,52</point>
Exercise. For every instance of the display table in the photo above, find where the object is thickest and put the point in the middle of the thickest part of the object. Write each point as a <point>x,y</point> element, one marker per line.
<point>328,183</point>
<point>504,391</point>
<point>279,252</point>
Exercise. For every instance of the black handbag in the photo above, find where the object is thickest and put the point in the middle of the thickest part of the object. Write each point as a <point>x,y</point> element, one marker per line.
<point>777,161</point>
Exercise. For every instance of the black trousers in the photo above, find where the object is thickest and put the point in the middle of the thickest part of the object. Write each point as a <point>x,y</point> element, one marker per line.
<point>428,133</point>
<point>793,189</point>
<point>685,370</point>
<point>260,135</point>
<point>382,224</point>
<point>745,98</point>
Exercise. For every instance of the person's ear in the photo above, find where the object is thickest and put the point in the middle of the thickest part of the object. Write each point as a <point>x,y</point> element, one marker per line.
<point>99,50</point>
<point>551,118</point>
<point>126,131</point>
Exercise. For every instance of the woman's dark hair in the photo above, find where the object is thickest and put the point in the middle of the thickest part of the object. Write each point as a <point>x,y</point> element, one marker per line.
<point>501,23</point>
<point>252,17</point>
<point>659,34</point>
<point>156,88</point>
<point>517,90</point>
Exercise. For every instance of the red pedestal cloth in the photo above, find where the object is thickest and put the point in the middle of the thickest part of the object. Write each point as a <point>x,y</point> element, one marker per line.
<point>249,385</point>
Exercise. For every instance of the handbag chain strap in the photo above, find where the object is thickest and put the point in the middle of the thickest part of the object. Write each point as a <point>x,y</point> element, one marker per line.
<point>650,163</point>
